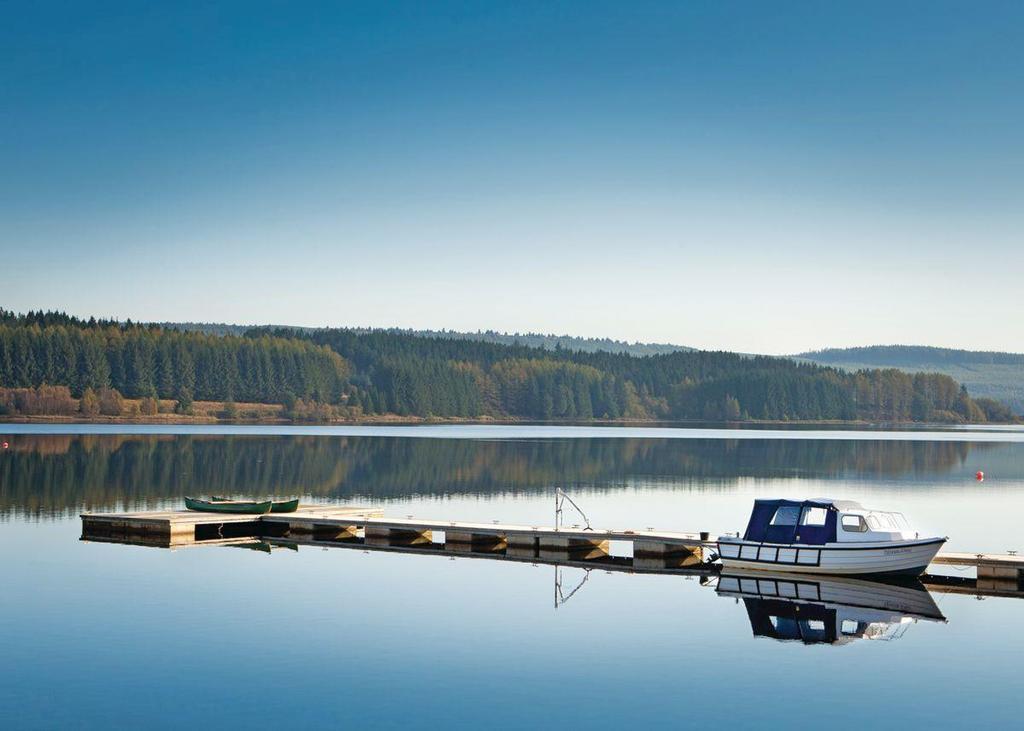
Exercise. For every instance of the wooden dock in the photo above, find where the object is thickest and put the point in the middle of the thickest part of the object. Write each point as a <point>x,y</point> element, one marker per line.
<point>1002,574</point>
<point>514,538</point>
<point>175,528</point>
<point>676,564</point>
<point>185,527</point>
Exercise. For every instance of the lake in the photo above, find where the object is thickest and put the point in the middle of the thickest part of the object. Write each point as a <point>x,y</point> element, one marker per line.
<point>99,634</point>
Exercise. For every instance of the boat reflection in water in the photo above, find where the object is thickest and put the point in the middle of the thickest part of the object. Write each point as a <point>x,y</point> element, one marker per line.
<point>828,610</point>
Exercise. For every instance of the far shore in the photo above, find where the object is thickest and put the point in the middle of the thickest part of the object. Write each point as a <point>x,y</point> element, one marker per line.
<point>397,420</point>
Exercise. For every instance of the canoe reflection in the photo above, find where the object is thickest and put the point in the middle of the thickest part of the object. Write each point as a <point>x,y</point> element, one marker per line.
<point>834,611</point>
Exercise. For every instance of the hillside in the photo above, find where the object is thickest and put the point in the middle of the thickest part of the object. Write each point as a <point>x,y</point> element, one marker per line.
<point>409,374</point>
<point>51,363</point>
<point>986,374</point>
<point>556,342</point>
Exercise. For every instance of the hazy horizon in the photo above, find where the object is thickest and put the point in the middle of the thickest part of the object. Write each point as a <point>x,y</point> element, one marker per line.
<point>729,176</point>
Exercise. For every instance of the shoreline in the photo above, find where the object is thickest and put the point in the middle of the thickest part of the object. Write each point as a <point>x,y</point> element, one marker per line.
<point>395,420</point>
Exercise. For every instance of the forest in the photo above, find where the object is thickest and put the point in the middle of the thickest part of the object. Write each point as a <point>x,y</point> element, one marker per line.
<point>52,358</point>
<point>408,374</point>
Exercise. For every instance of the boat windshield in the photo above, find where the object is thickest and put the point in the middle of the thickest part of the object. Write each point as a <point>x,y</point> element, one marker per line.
<point>887,521</point>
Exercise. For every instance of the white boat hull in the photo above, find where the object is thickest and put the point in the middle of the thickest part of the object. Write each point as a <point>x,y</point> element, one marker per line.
<point>907,558</point>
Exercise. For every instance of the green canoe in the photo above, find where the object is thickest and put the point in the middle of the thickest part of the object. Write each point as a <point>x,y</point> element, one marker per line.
<point>229,506</point>
<point>278,506</point>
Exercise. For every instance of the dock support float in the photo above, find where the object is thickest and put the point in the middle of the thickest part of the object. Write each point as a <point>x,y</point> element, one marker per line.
<point>660,549</point>
<point>377,535</point>
<point>998,572</point>
<point>1000,578</point>
<point>469,542</point>
<point>554,547</point>
<point>521,545</point>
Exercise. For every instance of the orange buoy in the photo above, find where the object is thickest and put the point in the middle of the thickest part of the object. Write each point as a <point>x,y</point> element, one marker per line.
<point>979,475</point>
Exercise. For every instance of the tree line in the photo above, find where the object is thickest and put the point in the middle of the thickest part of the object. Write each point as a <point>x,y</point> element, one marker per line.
<point>407,374</point>
<point>152,362</point>
<point>379,372</point>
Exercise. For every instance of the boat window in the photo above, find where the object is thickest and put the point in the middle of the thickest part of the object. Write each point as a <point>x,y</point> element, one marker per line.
<point>893,521</point>
<point>873,522</point>
<point>814,516</point>
<point>786,516</point>
<point>900,520</point>
<point>854,524</point>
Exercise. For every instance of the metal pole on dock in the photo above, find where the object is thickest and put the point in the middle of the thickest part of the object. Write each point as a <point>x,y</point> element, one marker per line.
<point>561,497</point>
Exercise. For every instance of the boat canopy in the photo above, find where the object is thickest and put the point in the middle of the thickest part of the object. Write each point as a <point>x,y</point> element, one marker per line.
<point>811,522</point>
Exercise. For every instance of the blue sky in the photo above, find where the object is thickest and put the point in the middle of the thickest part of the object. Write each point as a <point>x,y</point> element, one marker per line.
<point>748,176</point>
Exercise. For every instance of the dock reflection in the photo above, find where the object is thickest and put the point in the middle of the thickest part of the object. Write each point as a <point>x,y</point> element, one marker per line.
<point>828,610</point>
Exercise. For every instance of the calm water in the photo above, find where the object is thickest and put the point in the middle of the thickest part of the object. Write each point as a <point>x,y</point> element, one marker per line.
<point>97,634</point>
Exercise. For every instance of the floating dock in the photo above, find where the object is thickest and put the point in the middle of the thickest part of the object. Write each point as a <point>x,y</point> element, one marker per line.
<point>522,539</point>
<point>176,528</point>
<point>349,526</point>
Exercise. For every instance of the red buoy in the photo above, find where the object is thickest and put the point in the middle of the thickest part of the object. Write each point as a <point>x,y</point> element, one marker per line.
<point>979,475</point>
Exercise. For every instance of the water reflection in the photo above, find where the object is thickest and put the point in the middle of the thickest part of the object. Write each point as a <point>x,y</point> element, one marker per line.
<point>833,610</point>
<point>48,475</point>
<point>426,631</point>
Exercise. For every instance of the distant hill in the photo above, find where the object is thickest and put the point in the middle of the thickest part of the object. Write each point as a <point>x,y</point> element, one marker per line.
<point>556,342</point>
<point>532,340</point>
<point>210,328</point>
<point>987,374</point>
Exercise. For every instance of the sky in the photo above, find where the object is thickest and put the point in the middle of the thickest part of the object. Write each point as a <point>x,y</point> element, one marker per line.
<point>760,177</point>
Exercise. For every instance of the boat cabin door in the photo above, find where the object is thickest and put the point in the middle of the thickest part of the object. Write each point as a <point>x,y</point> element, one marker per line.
<point>782,527</point>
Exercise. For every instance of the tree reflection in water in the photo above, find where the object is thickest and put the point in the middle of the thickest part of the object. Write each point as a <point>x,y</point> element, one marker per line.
<point>53,475</point>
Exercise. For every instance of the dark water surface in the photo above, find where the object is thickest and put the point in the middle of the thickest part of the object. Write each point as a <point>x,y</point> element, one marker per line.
<point>105,635</point>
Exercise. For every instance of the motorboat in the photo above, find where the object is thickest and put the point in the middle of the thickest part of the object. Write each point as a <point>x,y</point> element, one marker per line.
<point>828,610</point>
<point>825,536</point>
